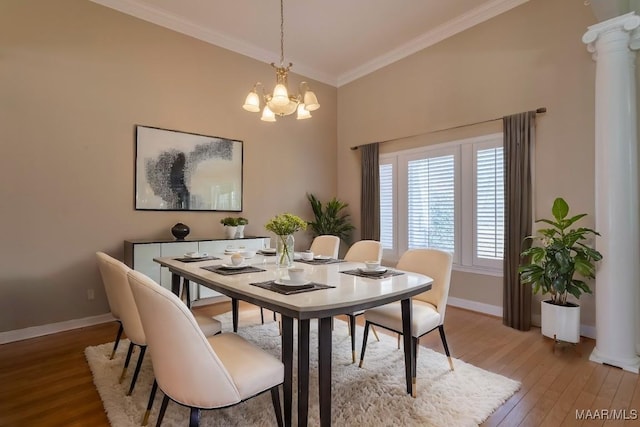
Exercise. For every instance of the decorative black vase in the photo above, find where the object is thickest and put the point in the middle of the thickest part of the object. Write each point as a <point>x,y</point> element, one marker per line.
<point>180,231</point>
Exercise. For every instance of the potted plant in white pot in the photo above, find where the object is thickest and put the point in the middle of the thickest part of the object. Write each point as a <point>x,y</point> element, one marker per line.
<point>559,265</point>
<point>240,227</point>
<point>230,225</point>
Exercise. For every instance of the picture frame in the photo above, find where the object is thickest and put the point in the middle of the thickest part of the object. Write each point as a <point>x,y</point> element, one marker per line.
<point>184,171</point>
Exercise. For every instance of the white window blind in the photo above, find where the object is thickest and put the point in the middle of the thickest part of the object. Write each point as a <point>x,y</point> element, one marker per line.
<point>431,203</point>
<point>489,204</point>
<point>386,206</point>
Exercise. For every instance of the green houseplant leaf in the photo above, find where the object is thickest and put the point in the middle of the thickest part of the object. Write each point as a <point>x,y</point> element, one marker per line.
<point>330,218</point>
<point>561,254</point>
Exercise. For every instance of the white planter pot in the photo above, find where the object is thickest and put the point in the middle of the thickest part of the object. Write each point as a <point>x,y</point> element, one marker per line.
<point>231,231</point>
<point>240,232</point>
<point>560,322</point>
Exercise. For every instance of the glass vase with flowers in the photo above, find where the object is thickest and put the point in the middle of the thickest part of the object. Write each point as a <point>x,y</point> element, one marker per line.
<point>283,226</point>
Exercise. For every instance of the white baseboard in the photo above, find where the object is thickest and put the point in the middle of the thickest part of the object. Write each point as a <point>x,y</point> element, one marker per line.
<point>52,328</point>
<point>493,310</point>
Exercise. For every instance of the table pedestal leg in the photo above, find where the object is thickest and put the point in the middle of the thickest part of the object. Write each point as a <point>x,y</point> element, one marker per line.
<point>234,313</point>
<point>287,360</point>
<point>175,283</point>
<point>303,372</point>
<point>409,359</point>
<point>324,370</point>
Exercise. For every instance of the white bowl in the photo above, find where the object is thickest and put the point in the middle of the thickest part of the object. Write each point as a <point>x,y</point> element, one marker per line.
<point>372,265</point>
<point>248,253</point>
<point>297,275</point>
<point>307,255</point>
<point>237,259</point>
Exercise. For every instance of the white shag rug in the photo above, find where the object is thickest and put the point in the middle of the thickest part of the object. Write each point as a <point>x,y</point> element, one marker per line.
<point>374,395</point>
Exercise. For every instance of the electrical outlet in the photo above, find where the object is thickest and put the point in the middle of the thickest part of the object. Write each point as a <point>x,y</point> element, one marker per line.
<point>90,294</point>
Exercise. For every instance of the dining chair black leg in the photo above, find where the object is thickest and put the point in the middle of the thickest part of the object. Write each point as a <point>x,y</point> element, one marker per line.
<point>365,335</point>
<point>444,344</point>
<point>143,349</point>
<point>115,345</point>
<point>194,418</point>
<point>275,398</point>
<point>126,363</point>
<point>274,316</point>
<point>261,315</point>
<point>352,332</point>
<point>152,396</point>
<point>163,408</point>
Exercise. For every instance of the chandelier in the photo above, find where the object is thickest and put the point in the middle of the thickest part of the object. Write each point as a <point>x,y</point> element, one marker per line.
<point>281,102</point>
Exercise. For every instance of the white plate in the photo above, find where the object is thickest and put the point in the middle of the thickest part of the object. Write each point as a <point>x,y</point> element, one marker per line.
<point>268,250</point>
<point>379,270</point>
<point>289,282</point>
<point>231,251</point>
<point>321,257</point>
<point>197,255</point>
<point>231,266</point>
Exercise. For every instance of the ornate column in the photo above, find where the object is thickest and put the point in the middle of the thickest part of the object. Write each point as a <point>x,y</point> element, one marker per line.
<point>613,44</point>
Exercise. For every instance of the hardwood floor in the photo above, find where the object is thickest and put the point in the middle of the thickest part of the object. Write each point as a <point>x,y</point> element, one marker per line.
<point>46,381</point>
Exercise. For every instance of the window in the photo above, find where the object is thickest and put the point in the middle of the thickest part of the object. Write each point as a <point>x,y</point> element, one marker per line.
<point>450,197</point>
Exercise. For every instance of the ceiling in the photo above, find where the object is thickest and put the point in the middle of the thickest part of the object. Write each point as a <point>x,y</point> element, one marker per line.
<point>332,41</point>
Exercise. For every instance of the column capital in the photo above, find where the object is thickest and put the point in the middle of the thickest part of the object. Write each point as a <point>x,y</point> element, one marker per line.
<point>627,25</point>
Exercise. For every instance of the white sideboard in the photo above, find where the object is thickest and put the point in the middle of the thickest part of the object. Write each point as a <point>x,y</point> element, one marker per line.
<point>139,255</point>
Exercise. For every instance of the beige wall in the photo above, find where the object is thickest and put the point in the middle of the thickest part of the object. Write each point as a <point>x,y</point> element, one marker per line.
<point>75,78</point>
<point>529,57</point>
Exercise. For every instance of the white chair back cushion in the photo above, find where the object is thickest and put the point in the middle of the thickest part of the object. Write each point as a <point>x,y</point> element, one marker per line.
<point>114,277</point>
<point>326,245</point>
<point>435,264</point>
<point>185,365</point>
<point>364,250</point>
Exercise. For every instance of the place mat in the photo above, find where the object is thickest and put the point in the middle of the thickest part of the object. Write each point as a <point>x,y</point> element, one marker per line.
<point>289,290</point>
<point>358,273</point>
<point>319,261</point>
<point>191,259</point>
<point>266,253</point>
<point>231,271</point>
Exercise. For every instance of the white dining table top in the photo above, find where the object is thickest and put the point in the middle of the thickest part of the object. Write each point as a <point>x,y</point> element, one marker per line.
<point>351,293</point>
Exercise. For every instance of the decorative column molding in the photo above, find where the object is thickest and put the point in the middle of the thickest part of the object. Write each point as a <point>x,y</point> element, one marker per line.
<point>613,43</point>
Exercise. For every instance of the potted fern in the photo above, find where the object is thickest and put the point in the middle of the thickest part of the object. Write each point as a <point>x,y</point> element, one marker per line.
<point>330,219</point>
<point>559,264</point>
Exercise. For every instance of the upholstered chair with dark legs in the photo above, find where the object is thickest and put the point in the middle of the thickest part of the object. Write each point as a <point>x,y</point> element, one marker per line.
<point>196,371</point>
<point>364,250</point>
<point>428,307</point>
<point>114,278</point>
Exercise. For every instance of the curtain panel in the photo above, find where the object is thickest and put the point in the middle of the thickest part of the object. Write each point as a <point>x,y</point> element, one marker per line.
<point>519,137</point>
<point>370,193</point>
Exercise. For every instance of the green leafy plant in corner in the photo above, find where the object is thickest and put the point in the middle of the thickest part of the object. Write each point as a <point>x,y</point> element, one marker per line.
<point>330,218</point>
<point>562,258</point>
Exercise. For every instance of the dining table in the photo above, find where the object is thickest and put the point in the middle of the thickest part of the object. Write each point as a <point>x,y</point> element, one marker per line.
<point>335,287</point>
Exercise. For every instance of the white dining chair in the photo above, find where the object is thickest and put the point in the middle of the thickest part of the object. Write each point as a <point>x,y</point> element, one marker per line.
<point>428,307</point>
<point>326,245</point>
<point>114,278</point>
<point>361,251</point>
<point>196,371</point>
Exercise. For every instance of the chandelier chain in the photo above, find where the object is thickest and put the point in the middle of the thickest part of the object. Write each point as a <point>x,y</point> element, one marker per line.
<point>281,32</point>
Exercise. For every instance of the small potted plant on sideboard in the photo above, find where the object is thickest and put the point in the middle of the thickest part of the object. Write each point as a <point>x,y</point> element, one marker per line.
<point>559,265</point>
<point>230,224</point>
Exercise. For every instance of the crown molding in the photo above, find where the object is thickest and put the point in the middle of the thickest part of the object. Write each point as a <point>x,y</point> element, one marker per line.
<point>461,23</point>
<point>175,23</point>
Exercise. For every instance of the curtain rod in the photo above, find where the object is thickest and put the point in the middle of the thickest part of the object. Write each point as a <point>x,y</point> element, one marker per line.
<point>540,110</point>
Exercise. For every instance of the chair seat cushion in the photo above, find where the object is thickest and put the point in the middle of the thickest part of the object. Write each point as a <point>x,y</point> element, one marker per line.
<point>252,369</point>
<point>208,325</point>
<point>425,317</point>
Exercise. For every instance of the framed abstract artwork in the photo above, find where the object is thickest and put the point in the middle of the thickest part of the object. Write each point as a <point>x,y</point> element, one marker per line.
<point>181,171</point>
